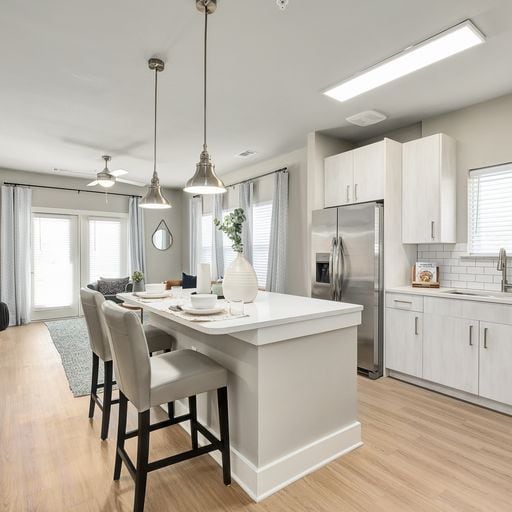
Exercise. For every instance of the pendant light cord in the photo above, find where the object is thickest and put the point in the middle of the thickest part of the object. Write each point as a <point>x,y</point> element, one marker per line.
<point>154,131</point>
<point>204,70</point>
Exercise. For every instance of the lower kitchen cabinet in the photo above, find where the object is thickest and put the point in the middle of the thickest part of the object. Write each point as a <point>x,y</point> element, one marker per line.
<point>404,341</point>
<point>496,362</point>
<point>450,352</point>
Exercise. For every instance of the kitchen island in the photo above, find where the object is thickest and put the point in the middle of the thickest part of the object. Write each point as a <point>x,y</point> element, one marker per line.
<point>292,383</point>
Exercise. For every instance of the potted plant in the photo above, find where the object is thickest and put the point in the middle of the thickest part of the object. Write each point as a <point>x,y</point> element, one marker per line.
<point>240,281</point>
<point>138,281</point>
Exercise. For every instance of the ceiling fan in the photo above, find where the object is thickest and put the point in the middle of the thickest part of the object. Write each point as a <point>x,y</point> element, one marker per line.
<point>105,178</point>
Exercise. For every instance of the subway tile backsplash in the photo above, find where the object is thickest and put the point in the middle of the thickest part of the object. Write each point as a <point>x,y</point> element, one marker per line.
<point>460,271</point>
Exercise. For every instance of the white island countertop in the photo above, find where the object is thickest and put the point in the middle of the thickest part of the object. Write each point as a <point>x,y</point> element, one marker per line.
<point>268,310</point>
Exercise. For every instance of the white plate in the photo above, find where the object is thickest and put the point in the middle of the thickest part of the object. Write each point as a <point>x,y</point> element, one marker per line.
<point>194,311</point>
<point>153,295</point>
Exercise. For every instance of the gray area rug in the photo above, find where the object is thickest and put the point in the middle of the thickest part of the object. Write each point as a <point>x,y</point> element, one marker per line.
<point>71,340</point>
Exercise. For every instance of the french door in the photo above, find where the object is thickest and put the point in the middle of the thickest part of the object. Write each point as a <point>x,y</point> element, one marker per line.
<point>70,251</point>
<point>55,266</point>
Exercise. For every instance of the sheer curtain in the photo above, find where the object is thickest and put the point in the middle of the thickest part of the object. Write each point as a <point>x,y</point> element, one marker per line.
<point>218,249</point>
<point>195,217</point>
<point>278,234</point>
<point>15,255</point>
<point>246,191</point>
<point>136,236</point>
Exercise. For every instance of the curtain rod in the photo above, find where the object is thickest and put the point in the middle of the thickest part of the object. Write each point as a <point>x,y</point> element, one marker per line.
<point>70,189</point>
<point>283,169</point>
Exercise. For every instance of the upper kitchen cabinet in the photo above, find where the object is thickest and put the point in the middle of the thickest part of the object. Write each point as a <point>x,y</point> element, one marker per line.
<point>339,179</point>
<point>429,190</point>
<point>356,176</point>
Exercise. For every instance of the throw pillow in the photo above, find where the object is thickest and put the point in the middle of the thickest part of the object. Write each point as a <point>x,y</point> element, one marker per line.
<point>188,281</point>
<point>111,286</point>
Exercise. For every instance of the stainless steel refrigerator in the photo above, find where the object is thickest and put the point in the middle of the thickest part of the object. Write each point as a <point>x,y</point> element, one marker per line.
<point>347,244</point>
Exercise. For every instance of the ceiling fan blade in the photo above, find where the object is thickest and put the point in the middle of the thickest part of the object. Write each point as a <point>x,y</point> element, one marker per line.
<point>130,182</point>
<point>93,183</point>
<point>119,172</point>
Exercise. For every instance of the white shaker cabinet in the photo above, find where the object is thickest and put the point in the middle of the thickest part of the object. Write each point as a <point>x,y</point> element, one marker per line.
<point>369,172</point>
<point>429,190</point>
<point>496,362</point>
<point>450,352</point>
<point>356,176</point>
<point>339,179</point>
<point>404,341</point>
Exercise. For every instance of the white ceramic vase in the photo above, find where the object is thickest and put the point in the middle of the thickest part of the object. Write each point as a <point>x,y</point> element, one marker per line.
<point>240,281</point>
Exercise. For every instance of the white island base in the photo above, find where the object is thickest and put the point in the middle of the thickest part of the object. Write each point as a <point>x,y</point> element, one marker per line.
<point>292,384</point>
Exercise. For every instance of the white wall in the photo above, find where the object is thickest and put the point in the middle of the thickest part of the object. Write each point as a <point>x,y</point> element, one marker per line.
<point>160,264</point>
<point>484,137</point>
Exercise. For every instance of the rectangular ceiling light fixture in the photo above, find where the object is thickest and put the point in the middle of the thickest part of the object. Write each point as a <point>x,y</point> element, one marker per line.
<point>443,45</point>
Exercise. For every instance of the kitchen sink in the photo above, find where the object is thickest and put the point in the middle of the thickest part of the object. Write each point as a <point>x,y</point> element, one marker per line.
<point>473,294</point>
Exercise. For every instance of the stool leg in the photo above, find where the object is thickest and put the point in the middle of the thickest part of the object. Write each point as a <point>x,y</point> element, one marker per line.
<point>142,462</point>
<point>107,399</point>
<point>121,432</point>
<point>192,406</point>
<point>170,410</point>
<point>94,383</point>
<point>222,397</point>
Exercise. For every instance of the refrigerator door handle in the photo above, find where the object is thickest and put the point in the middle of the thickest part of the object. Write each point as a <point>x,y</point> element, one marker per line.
<point>332,273</point>
<point>340,268</point>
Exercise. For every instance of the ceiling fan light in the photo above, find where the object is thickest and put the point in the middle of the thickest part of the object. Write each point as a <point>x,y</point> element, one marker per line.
<point>105,180</point>
<point>205,181</point>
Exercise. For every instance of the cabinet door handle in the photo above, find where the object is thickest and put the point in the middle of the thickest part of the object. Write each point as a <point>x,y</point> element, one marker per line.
<point>348,193</point>
<point>485,337</point>
<point>355,192</point>
<point>432,224</point>
<point>416,325</point>
<point>470,335</point>
<point>403,301</point>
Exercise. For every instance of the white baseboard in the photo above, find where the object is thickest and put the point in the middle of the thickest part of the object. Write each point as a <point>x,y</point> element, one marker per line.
<point>261,482</point>
<point>455,393</point>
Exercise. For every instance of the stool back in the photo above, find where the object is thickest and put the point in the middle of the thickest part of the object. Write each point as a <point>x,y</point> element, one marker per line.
<point>130,354</point>
<point>95,320</point>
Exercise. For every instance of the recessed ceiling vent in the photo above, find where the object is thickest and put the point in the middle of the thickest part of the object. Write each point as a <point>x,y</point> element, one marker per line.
<point>367,118</point>
<point>246,154</point>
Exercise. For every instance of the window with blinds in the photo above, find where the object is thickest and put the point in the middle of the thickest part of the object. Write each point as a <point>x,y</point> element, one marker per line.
<point>106,254</point>
<point>490,210</point>
<point>262,220</point>
<point>206,255</point>
<point>53,260</point>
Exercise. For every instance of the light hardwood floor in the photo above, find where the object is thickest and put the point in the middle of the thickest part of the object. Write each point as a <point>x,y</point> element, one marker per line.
<point>422,452</point>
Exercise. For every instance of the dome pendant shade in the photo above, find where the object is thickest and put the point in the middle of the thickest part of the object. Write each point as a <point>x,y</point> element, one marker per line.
<point>154,198</point>
<point>205,181</point>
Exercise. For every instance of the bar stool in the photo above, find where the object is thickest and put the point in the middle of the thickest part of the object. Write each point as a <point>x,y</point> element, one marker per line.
<point>98,338</point>
<point>149,382</point>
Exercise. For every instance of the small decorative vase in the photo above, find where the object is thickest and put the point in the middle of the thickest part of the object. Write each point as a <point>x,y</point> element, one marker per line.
<point>240,281</point>
<point>138,286</point>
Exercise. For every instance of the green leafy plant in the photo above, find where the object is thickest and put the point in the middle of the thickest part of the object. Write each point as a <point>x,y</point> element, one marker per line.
<point>137,276</point>
<point>232,226</point>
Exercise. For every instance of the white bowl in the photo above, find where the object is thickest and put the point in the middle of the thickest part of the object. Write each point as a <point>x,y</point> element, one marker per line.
<point>155,287</point>
<point>203,300</point>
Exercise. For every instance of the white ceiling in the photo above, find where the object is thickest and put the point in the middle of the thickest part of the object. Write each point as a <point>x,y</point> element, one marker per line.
<point>75,85</point>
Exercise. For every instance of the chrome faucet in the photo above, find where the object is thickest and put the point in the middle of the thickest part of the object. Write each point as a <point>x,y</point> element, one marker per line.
<point>502,265</point>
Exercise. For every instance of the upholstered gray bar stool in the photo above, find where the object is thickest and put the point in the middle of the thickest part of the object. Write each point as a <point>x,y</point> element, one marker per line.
<point>157,340</point>
<point>149,382</point>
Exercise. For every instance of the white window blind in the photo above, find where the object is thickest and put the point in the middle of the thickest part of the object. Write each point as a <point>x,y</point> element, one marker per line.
<point>206,239</point>
<point>105,248</point>
<point>53,250</point>
<point>262,219</point>
<point>490,210</point>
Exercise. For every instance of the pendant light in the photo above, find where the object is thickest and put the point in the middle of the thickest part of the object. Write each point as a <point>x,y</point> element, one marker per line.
<point>154,198</point>
<point>205,181</point>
